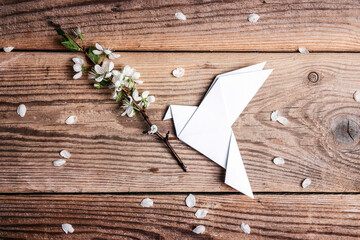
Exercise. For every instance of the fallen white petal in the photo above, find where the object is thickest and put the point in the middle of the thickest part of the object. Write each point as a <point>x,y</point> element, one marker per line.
<point>279,161</point>
<point>178,72</point>
<point>201,213</point>
<point>147,202</point>
<point>253,18</point>
<point>283,120</point>
<point>65,154</point>
<point>306,182</point>
<point>21,110</point>
<point>180,16</point>
<point>357,96</point>
<point>303,50</point>
<point>245,227</point>
<point>190,201</point>
<point>67,228</point>
<point>199,229</point>
<point>8,49</point>
<point>274,115</point>
<point>71,120</point>
<point>59,162</point>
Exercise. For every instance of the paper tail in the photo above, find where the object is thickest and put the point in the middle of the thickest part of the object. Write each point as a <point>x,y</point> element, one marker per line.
<point>236,176</point>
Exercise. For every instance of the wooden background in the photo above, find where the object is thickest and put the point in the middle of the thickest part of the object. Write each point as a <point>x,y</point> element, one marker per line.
<point>114,166</point>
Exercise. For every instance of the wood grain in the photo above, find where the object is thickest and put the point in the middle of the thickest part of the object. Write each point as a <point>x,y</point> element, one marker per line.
<point>324,25</point>
<point>122,217</point>
<point>110,153</point>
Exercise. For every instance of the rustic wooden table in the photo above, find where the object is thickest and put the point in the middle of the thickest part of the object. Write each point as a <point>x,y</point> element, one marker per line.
<point>114,166</point>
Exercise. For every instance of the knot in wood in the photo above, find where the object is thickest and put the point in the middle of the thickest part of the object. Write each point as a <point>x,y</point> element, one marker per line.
<point>313,77</point>
<point>346,131</point>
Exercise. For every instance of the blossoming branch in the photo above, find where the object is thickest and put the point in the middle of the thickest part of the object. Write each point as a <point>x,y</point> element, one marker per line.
<point>123,82</point>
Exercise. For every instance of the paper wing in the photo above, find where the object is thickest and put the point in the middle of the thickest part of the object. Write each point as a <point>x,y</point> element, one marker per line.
<point>256,67</point>
<point>239,89</point>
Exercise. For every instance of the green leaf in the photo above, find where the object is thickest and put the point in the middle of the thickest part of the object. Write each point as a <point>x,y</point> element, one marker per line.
<point>70,45</point>
<point>93,56</point>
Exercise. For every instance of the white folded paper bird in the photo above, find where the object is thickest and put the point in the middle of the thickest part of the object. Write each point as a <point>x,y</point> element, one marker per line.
<point>207,128</point>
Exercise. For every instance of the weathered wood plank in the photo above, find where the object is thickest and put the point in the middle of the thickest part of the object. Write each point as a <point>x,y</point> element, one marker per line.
<point>110,153</point>
<point>122,217</point>
<point>325,25</point>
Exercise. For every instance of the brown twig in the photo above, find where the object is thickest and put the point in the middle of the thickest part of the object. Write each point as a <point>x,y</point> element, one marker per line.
<point>141,110</point>
<point>164,139</point>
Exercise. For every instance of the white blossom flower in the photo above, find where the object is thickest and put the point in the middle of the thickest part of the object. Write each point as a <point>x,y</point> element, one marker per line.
<point>136,96</point>
<point>78,67</point>
<point>8,49</point>
<point>117,79</point>
<point>129,108</point>
<point>153,129</point>
<point>118,82</point>
<point>130,76</point>
<point>101,72</point>
<point>144,99</point>
<point>107,51</point>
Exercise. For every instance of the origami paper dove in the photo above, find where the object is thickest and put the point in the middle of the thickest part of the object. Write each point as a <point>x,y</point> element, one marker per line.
<point>207,128</point>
